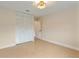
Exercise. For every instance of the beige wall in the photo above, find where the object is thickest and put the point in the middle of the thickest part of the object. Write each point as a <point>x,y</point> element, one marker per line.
<point>61,27</point>
<point>9,22</point>
<point>7,27</point>
<point>77,25</point>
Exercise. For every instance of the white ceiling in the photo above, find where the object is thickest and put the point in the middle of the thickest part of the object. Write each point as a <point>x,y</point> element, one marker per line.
<point>28,5</point>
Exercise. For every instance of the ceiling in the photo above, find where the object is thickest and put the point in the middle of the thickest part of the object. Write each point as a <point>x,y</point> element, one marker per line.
<point>52,7</point>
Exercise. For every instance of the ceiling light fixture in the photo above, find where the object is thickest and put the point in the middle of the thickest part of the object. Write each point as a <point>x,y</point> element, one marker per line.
<point>41,4</point>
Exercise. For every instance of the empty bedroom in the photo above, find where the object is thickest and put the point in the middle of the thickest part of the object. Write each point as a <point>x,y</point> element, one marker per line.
<point>39,29</point>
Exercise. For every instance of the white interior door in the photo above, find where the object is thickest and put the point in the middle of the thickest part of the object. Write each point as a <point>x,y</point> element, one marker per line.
<point>24,29</point>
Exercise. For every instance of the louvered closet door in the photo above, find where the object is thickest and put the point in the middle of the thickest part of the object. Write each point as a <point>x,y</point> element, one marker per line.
<point>19,29</point>
<point>24,29</point>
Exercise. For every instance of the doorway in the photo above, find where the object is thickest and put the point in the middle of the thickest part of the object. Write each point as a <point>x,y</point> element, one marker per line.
<point>38,27</point>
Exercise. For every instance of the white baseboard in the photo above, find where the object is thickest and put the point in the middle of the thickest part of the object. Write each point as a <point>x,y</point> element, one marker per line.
<point>61,44</point>
<point>25,41</point>
<point>12,45</point>
<point>7,46</point>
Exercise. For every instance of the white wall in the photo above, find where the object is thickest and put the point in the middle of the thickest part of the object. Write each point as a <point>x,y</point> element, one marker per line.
<point>60,28</point>
<point>7,27</point>
<point>24,28</point>
<point>77,25</point>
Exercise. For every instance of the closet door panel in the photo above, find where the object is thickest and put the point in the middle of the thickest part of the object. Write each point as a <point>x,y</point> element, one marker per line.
<point>24,29</point>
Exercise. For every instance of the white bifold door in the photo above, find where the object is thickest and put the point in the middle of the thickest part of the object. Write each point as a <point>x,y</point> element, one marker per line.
<point>24,28</point>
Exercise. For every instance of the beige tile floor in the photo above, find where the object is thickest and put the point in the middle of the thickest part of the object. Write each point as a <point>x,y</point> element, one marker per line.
<point>38,48</point>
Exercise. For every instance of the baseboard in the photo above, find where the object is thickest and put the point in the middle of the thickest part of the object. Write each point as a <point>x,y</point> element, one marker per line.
<point>64,45</point>
<point>7,46</point>
<point>24,41</point>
